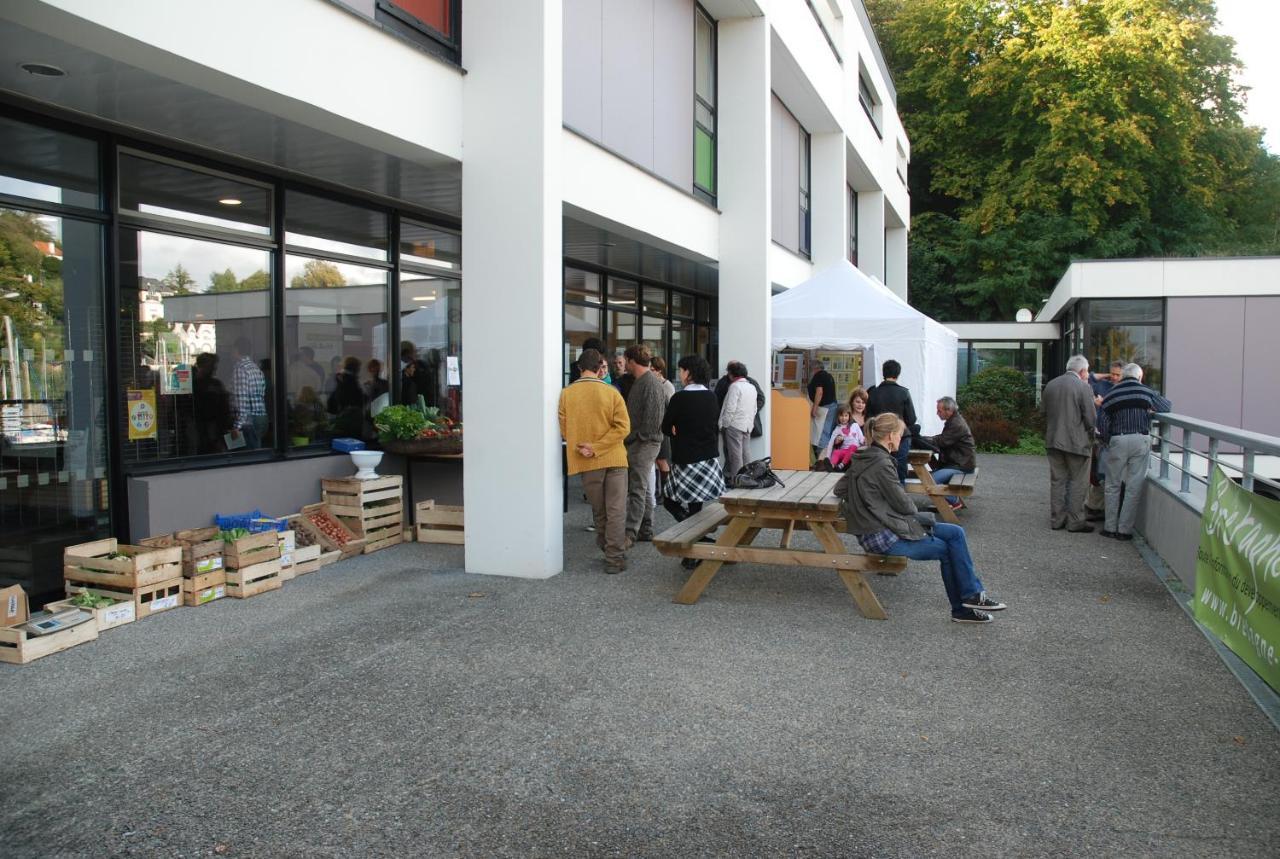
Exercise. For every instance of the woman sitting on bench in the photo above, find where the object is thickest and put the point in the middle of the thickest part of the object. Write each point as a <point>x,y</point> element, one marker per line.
<point>880,513</point>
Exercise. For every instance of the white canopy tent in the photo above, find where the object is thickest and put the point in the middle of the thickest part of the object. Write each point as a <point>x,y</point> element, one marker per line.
<point>842,309</point>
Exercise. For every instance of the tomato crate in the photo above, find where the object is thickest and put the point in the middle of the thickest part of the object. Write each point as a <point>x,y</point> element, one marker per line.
<point>119,613</point>
<point>204,588</point>
<point>147,600</point>
<point>250,551</point>
<point>255,579</point>
<point>17,646</point>
<point>329,531</point>
<point>119,566</point>
<point>438,523</point>
<point>201,549</point>
<point>372,509</point>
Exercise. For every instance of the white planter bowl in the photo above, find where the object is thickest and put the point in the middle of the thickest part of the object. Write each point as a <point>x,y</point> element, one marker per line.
<point>365,462</point>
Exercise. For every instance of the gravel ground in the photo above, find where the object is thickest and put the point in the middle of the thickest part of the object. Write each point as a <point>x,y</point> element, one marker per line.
<point>394,706</point>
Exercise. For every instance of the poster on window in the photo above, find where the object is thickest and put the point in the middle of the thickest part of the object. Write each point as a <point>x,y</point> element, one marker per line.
<point>177,380</point>
<point>141,409</point>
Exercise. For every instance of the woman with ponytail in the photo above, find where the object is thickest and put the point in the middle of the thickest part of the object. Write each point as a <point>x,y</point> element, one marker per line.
<point>882,516</point>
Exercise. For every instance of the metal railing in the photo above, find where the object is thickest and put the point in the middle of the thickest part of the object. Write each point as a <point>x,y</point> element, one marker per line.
<point>1194,460</point>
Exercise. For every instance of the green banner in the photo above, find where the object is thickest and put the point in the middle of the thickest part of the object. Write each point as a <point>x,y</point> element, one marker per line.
<point>1238,574</point>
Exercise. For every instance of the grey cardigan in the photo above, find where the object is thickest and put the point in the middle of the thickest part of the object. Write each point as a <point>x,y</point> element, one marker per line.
<point>872,499</point>
<point>646,403</point>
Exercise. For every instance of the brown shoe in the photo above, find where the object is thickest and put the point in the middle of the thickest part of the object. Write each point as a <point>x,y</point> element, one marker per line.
<point>615,567</point>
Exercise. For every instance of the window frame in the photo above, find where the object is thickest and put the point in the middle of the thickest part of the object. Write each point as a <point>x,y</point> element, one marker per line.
<point>853,226</point>
<point>804,241</point>
<point>703,193</point>
<point>409,25</point>
<point>867,98</point>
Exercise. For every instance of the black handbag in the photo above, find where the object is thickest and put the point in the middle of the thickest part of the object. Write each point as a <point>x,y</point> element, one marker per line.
<point>757,474</point>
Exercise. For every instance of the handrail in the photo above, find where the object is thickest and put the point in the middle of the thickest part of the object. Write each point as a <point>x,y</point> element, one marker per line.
<point>1251,444</point>
<point>1268,445</point>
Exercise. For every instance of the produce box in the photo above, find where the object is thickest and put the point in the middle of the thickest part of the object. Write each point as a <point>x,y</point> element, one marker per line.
<point>148,599</point>
<point>327,558</point>
<point>373,509</point>
<point>439,523</point>
<point>306,559</point>
<point>204,588</point>
<point>201,549</point>
<point>247,550</point>
<point>285,541</point>
<point>329,531</point>
<point>108,613</point>
<point>18,646</point>
<point>255,579</point>
<point>119,566</point>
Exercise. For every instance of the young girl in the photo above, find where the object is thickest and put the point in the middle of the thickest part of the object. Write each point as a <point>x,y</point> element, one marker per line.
<point>845,439</point>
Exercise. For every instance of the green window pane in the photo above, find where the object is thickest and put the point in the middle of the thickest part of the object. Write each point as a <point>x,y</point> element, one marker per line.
<point>704,160</point>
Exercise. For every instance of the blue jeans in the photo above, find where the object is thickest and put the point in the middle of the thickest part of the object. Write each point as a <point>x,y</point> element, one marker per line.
<point>904,467</point>
<point>944,475</point>
<point>947,544</point>
<point>828,427</point>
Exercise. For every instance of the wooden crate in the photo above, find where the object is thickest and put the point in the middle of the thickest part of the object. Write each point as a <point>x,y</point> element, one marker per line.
<point>372,509</point>
<point>140,566</point>
<point>19,647</point>
<point>351,545</point>
<point>204,588</point>
<point>250,551</point>
<point>438,523</point>
<point>253,580</point>
<point>288,546</point>
<point>201,549</point>
<point>306,559</point>
<point>109,617</point>
<point>147,600</point>
<point>330,557</point>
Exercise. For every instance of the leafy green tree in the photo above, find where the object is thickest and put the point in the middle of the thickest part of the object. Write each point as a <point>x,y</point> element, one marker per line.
<point>318,274</point>
<point>259,280</point>
<point>178,281</point>
<point>225,281</point>
<point>1047,130</point>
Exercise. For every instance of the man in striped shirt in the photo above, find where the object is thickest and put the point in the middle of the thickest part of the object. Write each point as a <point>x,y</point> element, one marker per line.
<point>1124,421</point>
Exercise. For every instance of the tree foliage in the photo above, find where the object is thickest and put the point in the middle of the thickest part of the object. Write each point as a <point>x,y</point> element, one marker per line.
<point>178,281</point>
<point>225,281</point>
<point>1048,130</point>
<point>318,274</point>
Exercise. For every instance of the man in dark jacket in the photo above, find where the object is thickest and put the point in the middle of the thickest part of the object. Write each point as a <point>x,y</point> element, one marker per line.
<point>1070,414</point>
<point>646,403</point>
<point>416,377</point>
<point>878,511</point>
<point>889,396</point>
<point>955,447</point>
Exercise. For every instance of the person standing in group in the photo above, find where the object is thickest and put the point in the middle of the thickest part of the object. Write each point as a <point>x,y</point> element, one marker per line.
<point>883,517</point>
<point>722,391</point>
<point>822,395</point>
<point>590,343</point>
<point>737,417</point>
<point>593,423</point>
<point>248,395</point>
<point>858,407</point>
<point>845,440</point>
<point>662,465</point>
<point>1095,501</point>
<point>891,398</point>
<point>619,377</point>
<point>1124,420</point>
<point>1070,415</point>
<point>955,447</point>
<point>646,404</point>
<point>691,422</point>
<point>415,377</point>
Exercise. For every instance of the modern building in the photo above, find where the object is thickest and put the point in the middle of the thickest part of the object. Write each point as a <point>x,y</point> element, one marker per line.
<point>300,181</point>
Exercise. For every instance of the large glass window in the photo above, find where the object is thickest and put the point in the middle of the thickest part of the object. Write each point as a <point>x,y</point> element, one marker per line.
<point>853,226</point>
<point>804,192</point>
<point>48,166</point>
<point>429,354</point>
<point>164,194</point>
<point>1129,330</point>
<point>704,105</point>
<point>431,23</point>
<point>330,227</point>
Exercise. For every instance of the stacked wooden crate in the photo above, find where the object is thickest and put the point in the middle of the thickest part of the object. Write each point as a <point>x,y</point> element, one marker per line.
<point>253,565</point>
<point>150,577</point>
<point>336,540</point>
<point>372,509</point>
<point>306,549</point>
<point>438,523</point>
<point>204,578</point>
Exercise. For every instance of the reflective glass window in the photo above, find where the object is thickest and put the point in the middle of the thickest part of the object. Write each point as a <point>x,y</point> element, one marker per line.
<point>160,191</point>
<point>581,286</point>
<point>424,245</point>
<point>327,226</point>
<point>429,354</point>
<point>1107,310</point>
<point>48,166</point>
<point>622,292</point>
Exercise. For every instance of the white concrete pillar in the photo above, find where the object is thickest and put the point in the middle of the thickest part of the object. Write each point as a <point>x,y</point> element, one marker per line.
<point>895,260</point>
<point>743,131</point>
<point>871,233</point>
<point>829,200</point>
<point>511,319</point>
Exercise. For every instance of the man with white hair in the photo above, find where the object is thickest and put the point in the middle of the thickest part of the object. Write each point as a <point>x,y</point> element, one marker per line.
<point>1124,420</point>
<point>1068,439</point>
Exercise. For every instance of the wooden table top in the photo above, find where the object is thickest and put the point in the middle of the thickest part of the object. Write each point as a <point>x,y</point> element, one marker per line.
<point>802,490</point>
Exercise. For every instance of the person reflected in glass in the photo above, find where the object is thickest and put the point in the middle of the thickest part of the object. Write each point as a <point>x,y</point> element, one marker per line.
<point>414,375</point>
<point>248,395</point>
<point>211,403</point>
<point>346,403</point>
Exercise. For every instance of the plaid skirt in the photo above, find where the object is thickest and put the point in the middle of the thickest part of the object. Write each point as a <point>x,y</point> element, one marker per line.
<point>697,481</point>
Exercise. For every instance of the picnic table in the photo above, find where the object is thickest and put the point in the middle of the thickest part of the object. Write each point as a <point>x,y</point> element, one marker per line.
<point>805,501</point>
<point>924,484</point>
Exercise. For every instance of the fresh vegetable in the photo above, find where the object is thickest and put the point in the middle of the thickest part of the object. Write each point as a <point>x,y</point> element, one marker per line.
<point>84,599</point>
<point>234,534</point>
<point>401,423</point>
<point>330,527</point>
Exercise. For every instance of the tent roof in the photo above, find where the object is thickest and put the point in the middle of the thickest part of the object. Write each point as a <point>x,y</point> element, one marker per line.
<point>841,291</point>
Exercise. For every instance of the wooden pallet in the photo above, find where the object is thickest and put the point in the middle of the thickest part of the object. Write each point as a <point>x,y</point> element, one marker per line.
<point>352,544</point>
<point>439,523</point>
<point>253,580</point>
<point>109,617</point>
<point>372,509</point>
<point>201,549</point>
<point>140,566</point>
<point>204,588</point>
<point>147,600</point>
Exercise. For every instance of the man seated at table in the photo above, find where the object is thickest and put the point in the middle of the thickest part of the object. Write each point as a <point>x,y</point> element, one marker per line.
<point>880,513</point>
<point>954,446</point>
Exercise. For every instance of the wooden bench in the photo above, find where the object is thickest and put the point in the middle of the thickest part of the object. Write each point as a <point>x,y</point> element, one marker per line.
<point>805,502</point>
<point>961,485</point>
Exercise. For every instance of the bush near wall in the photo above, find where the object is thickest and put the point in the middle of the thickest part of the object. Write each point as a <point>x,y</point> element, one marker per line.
<point>999,404</point>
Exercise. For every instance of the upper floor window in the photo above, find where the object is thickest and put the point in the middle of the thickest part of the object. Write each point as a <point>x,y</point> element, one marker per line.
<point>804,192</point>
<point>867,98</point>
<point>853,226</point>
<point>704,105</point>
<point>434,24</point>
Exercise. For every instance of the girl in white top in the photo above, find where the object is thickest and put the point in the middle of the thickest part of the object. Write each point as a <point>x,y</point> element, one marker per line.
<point>845,439</point>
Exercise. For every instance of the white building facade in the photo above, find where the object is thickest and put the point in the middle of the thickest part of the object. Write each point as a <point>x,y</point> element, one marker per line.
<point>509,177</point>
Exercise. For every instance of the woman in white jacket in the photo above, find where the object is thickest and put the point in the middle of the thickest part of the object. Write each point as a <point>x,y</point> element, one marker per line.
<point>737,416</point>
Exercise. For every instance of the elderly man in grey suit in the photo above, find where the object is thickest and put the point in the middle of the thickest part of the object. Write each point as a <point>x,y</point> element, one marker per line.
<point>1070,414</point>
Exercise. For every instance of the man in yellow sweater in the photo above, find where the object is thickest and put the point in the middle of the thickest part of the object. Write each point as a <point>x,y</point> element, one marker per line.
<point>593,421</point>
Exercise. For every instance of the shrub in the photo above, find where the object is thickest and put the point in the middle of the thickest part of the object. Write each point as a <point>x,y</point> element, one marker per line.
<point>1004,389</point>
<point>992,432</point>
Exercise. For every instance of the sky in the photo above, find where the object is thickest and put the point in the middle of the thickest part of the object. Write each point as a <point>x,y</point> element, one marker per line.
<point>1255,24</point>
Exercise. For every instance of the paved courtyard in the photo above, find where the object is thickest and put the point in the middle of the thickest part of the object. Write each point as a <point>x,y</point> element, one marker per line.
<point>394,706</point>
